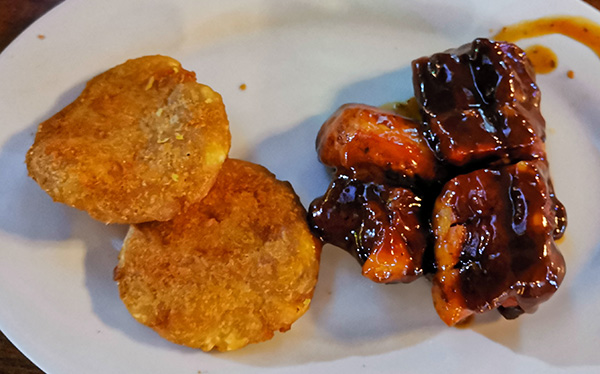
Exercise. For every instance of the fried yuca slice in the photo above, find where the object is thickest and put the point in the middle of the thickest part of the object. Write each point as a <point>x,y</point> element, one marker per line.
<point>229,271</point>
<point>142,141</point>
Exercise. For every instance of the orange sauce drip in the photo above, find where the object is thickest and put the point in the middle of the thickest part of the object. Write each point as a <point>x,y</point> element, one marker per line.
<point>243,86</point>
<point>571,74</point>
<point>578,28</point>
<point>542,58</point>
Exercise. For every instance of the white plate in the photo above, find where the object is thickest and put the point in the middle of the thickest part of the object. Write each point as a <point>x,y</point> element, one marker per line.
<point>300,60</point>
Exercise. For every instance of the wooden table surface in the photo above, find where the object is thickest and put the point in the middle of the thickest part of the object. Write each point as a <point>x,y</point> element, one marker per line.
<point>15,16</point>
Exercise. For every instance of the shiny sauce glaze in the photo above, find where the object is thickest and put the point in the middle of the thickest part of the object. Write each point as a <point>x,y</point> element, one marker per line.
<point>480,104</point>
<point>472,143</point>
<point>379,225</point>
<point>378,145</point>
<point>495,247</point>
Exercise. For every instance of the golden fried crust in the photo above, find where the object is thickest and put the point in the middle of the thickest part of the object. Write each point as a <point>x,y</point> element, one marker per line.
<point>229,271</point>
<point>142,141</point>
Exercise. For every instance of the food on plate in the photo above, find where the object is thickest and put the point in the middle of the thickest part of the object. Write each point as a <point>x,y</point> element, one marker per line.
<point>494,227</point>
<point>219,254</point>
<point>368,209</point>
<point>480,104</point>
<point>229,271</point>
<point>376,145</point>
<point>495,231</point>
<point>461,192</point>
<point>379,225</point>
<point>142,141</point>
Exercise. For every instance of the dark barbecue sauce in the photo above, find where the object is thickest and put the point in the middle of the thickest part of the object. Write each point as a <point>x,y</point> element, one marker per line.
<point>379,225</point>
<point>484,223</point>
<point>480,104</point>
<point>506,252</point>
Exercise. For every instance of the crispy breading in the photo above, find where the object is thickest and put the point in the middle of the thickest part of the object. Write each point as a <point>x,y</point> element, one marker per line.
<point>141,142</point>
<point>229,271</point>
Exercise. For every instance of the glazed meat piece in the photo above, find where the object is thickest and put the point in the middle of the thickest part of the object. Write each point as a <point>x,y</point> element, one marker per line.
<point>379,225</point>
<point>494,242</point>
<point>377,145</point>
<point>480,104</point>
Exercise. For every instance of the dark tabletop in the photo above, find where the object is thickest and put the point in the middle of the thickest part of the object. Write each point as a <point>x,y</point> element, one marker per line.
<point>15,16</point>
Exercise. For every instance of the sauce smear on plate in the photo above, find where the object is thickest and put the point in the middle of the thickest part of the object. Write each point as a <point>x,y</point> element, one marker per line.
<point>542,58</point>
<point>577,28</point>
